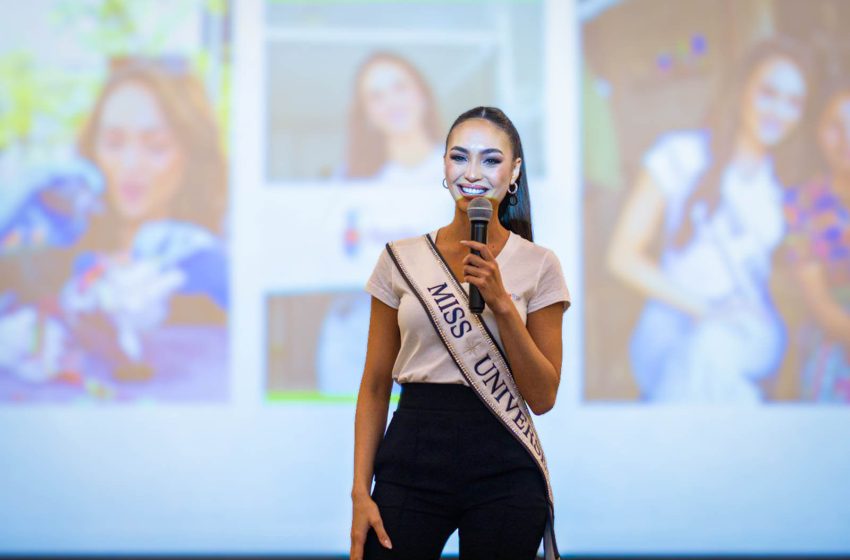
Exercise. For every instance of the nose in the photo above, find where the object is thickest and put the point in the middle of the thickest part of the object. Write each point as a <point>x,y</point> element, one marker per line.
<point>473,170</point>
<point>130,156</point>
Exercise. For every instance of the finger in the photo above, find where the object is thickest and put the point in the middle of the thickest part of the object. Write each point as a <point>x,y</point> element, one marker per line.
<point>475,281</point>
<point>378,525</point>
<point>475,271</point>
<point>474,245</point>
<point>482,248</point>
<point>476,260</point>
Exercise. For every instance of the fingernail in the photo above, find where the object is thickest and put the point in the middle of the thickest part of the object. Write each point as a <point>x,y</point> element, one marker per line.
<point>388,544</point>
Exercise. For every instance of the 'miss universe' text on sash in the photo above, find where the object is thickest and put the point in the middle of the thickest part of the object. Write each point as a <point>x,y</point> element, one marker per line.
<point>485,367</point>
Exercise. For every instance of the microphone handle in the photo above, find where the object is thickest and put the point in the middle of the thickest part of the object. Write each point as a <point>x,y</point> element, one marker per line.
<point>479,234</point>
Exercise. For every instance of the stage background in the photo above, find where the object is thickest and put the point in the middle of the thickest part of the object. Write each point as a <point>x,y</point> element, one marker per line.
<point>228,430</point>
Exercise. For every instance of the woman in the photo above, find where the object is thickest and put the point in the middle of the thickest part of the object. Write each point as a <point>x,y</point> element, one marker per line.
<point>435,470</point>
<point>155,255</point>
<point>709,331</point>
<point>151,253</point>
<point>819,243</point>
<point>394,126</point>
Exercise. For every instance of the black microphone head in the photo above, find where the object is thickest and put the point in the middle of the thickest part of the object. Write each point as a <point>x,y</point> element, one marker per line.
<point>479,210</point>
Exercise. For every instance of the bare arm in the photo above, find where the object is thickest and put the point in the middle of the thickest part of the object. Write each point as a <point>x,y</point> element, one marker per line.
<point>629,256</point>
<point>370,420</point>
<point>829,314</point>
<point>536,346</point>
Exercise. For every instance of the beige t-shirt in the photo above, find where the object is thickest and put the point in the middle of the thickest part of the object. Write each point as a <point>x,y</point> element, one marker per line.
<point>530,273</point>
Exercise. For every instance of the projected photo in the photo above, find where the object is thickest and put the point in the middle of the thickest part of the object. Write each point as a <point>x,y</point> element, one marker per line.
<point>362,93</point>
<point>113,207</point>
<point>351,97</point>
<point>316,345</point>
<point>717,203</point>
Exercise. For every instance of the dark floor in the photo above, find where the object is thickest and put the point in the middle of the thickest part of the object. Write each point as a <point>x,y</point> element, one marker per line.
<point>272,557</point>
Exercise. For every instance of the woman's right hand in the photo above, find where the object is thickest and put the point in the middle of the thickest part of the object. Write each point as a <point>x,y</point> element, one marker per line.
<point>365,515</point>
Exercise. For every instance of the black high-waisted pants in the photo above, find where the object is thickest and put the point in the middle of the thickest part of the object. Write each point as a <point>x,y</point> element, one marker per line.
<point>446,463</point>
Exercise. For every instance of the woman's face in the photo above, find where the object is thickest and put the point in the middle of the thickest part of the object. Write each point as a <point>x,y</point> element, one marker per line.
<point>834,134</point>
<point>479,162</point>
<point>393,101</point>
<point>773,100</point>
<point>139,154</point>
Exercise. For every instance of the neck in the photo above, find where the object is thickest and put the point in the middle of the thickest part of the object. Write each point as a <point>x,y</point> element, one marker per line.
<point>127,229</point>
<point>125,235</point>
<point>460,227</point>
<point>749,153</point>
<point>409,149</point>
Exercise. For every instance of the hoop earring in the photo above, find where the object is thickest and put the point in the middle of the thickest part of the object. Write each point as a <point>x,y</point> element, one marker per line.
<point>445,185</point>
<point>512,199</point>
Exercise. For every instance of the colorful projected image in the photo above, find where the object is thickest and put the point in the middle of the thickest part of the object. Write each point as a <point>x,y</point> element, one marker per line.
<point>729,244</point>
<point>113,210</point>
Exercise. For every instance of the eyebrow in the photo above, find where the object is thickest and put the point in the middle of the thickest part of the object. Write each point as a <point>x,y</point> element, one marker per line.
<point>487,151</point>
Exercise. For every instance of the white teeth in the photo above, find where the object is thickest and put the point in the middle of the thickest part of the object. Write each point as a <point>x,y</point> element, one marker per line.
<point>472,190</point>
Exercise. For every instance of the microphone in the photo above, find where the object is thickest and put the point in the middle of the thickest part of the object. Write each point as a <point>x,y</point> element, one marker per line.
<point>479,211</point>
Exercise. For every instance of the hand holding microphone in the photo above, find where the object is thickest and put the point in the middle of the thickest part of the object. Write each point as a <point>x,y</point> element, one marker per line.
<point>479,212</point>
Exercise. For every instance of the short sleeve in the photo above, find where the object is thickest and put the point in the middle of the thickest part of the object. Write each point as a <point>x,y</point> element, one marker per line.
<point>675,160</point>
<point>551,286</point>
<point>380,283</point>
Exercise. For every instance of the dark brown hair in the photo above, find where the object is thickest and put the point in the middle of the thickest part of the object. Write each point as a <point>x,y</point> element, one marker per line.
<point>723,123</point>
<point>834,85</point>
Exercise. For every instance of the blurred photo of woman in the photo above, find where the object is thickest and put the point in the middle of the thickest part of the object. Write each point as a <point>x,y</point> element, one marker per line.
<point>394,131</point>
<point>709,331</point>
<point>153,136</point>
<point>143,286</point>
<point>818,215</point>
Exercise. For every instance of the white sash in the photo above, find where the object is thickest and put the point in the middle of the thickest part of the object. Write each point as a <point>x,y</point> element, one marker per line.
<point>473,349</point>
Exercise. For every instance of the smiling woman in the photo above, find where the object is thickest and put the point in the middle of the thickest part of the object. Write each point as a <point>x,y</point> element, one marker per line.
<point>710,331</point>
<point>394,126</point>
<point>458,407</point>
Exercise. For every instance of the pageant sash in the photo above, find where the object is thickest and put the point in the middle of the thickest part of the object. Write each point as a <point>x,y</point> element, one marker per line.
<point>473,349</point>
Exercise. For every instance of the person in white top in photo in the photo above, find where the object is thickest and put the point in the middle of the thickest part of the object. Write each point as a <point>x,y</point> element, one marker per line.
<point>709,331</point>
<point>393,138</point>
<point>429,476</point>
<point>394,125</point>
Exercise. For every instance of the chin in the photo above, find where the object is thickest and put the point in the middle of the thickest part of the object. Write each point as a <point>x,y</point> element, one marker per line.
<point>131,213</point>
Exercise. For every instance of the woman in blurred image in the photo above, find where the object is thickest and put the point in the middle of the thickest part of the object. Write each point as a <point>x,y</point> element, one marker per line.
<point>818,215</point>
<point>709,331</point>
<point>393,137</point>
<point>394,127</point>
<point>155,254</point>
<point>150,252</point>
